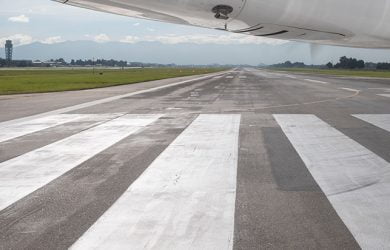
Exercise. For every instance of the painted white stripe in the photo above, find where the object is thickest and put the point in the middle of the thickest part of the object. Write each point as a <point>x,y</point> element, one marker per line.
<point>229,77</point>
<point>28,127</point>
<point>316,81</point>
<point>352,90</point>
<point>24,174</point>
<point>384,95</point>
<point>184,200</point>
<point>355,180</point>
<point>384,89</point>
<point>380,120</point>
<point>109,99</point>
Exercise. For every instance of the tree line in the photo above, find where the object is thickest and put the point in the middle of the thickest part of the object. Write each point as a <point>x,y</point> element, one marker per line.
<point>79,63</point>
<point>344,63</point>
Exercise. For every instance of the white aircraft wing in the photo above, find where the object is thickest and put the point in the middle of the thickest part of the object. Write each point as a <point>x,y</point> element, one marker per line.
<point>354,23</point>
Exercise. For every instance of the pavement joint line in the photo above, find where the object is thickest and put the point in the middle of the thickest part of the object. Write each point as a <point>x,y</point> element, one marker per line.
<point>108,99</point>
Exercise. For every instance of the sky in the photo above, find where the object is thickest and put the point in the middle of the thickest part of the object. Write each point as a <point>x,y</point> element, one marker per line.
<point>45,21</point>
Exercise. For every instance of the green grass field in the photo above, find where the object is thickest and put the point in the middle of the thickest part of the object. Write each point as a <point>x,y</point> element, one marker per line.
<point>51,80</point>
<point>337,72</point>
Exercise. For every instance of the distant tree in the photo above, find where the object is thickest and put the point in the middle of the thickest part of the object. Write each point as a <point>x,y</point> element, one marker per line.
<point>360,64</point>
<point>329,65</point>
<point>289,64</point>
<point>349,63</point>
<point>61,60</point>
<point>383,66</point>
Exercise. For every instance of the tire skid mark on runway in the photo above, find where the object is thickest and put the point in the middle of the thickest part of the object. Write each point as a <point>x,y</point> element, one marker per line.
<point>379,120</point>
<point>8,132</point>
<point>25,174</point>
<point>296,104</point>
<point>355,180</point>
<point>109,99</point>
<point>313,102</point>
<point>184,200</point>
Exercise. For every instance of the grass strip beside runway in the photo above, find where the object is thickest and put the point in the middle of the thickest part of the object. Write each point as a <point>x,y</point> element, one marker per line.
<point>52,80</point>
<point>339,72</point>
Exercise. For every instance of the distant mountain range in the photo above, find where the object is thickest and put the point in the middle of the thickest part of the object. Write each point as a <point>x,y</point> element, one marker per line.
<point>185,53</point>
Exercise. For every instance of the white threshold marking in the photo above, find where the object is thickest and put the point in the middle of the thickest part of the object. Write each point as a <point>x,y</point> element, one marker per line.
<point>229,77</point>
<point>28,127</point>
<point>106,100</point>
<point>217,77</point>
<point>349,89</point>
<point>380,120</point>
<point>316,81</point>
<point>355,180</point>
<point>384,95</point>
<point>184,200</point>
<point>25,174</point>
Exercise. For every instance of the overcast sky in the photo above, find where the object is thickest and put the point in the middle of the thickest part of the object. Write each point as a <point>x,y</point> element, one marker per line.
<point>28,21</point>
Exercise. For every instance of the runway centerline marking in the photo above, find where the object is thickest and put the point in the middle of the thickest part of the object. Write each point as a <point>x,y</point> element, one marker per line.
<point>379,120</point>
<point>184,200</point>
<point>25,174</point>
<point>349,89</point>
<point>292,77</point>
<point>355,180</point>
<point>316,81</point>
<point>106,100</point>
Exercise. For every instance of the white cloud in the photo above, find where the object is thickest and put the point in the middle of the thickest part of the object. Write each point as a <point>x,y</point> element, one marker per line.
<point>17,39</point>
<point>101,38</point>
<point>19,19</point>
<point>204,39</point>
<point>130,39</point>
<point>53,39</point>
<point>136,24</point>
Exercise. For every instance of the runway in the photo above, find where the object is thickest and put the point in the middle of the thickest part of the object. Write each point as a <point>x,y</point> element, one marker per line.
<point>242,159</point>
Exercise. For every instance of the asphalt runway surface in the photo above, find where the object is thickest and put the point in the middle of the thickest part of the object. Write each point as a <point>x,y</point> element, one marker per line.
<point>243,159</point>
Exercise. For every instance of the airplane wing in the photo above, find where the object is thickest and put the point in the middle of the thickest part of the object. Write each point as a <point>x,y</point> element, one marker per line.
<point>352,23</point>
